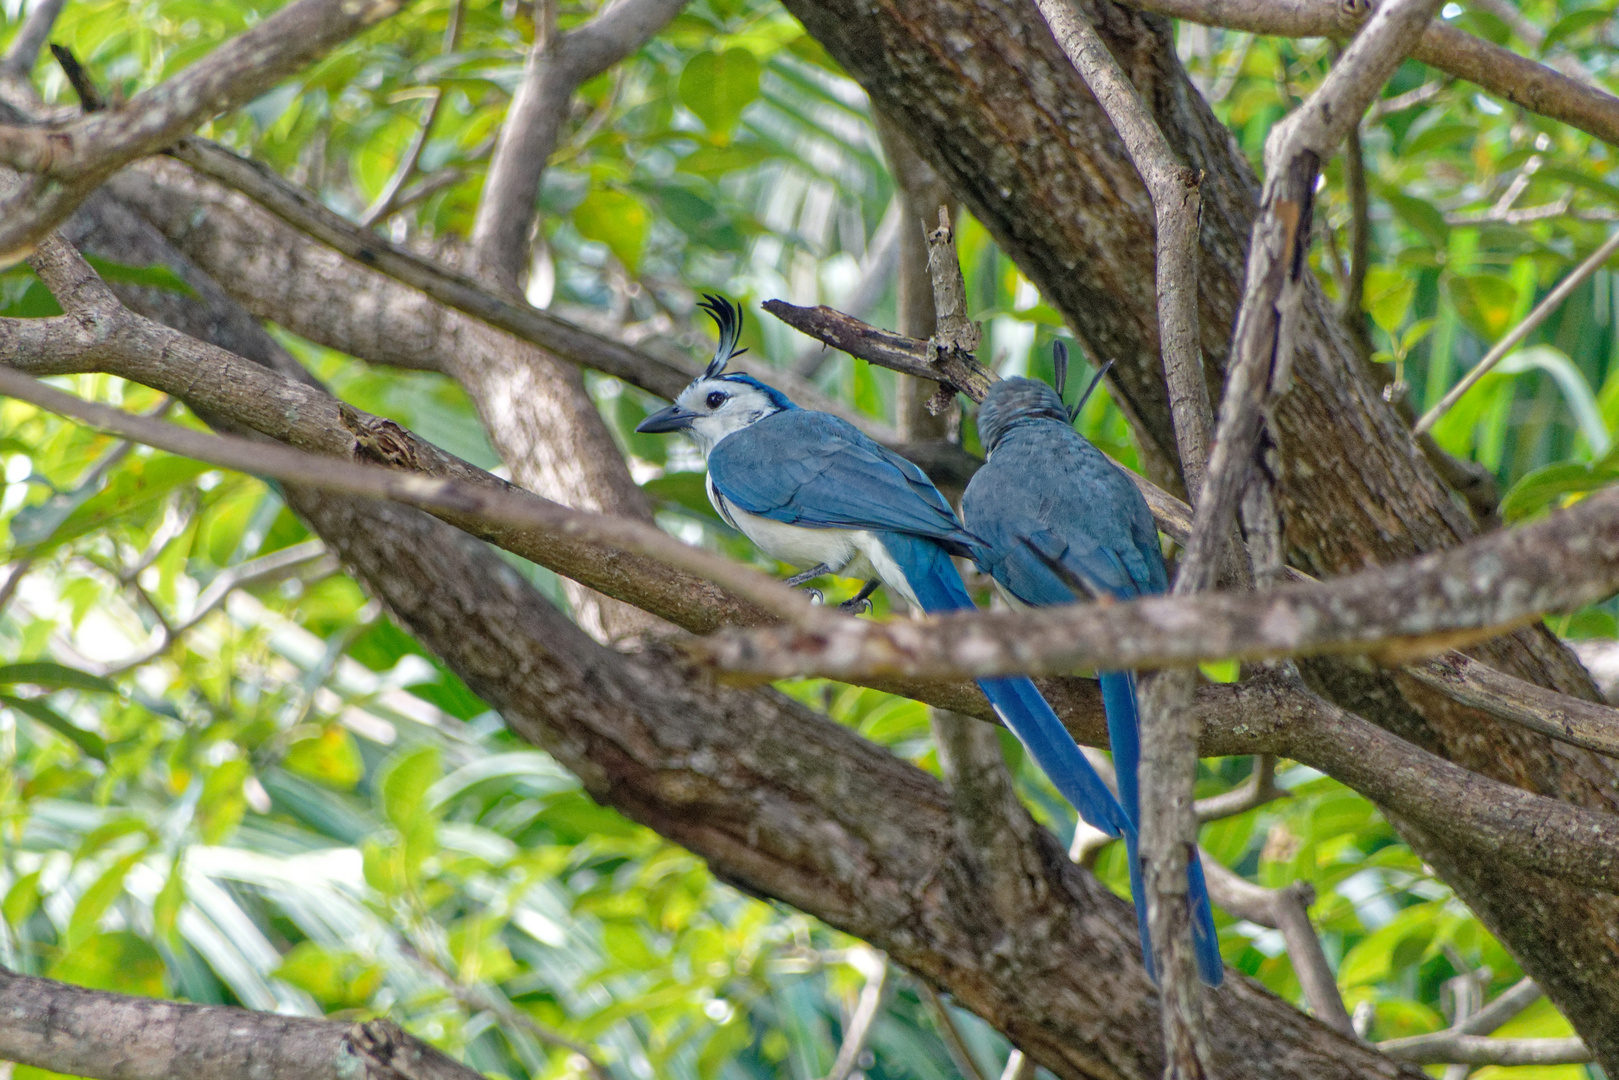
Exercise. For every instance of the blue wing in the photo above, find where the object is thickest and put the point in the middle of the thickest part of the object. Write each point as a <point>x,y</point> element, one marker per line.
<point>824,473</point>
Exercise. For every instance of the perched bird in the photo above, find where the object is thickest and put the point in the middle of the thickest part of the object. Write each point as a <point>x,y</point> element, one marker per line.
<point>1058,520</point>
<point>812,491</point>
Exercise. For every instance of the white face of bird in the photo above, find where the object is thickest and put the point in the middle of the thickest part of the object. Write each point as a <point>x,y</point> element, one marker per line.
<point>711,408</point>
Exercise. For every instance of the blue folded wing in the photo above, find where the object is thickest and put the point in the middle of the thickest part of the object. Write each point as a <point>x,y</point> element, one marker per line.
<point>824,473</point>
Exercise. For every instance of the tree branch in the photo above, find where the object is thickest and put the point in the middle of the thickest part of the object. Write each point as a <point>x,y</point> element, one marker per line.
<point>654,374</point>
<point>1469,593</point>
<point>1502,72</point>
<point>1262,345</point>
<point>64,164</point>
<point>1285,909</point>
<point>388,197</point>
<point>553,72</point>
<point>69,1029</point>
<point>1552,301</point>
<point>31,37</point>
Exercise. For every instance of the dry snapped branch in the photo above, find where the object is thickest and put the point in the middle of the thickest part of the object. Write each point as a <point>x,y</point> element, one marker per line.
<point>61,165</point>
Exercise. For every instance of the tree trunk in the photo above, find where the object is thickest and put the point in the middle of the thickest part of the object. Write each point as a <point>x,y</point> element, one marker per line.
<point>989,98</point>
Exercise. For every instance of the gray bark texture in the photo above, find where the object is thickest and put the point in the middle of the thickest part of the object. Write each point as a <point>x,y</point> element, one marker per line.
<point>989,98</point>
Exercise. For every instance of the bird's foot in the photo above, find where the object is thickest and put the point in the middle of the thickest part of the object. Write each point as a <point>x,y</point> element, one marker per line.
<point>857,605</point>
<point>815,595</point>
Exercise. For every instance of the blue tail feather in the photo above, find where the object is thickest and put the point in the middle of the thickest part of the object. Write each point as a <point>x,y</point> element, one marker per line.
<point>938,587</point>
<point>1124,735</point>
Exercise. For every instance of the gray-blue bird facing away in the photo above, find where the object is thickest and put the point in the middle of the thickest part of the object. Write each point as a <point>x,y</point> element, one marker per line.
<point>1055,514</point>
<point>813,491</point>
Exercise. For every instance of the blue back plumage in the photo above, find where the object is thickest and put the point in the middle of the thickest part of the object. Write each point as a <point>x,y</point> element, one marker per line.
<point>802,467</point>
<point>1048,499</point>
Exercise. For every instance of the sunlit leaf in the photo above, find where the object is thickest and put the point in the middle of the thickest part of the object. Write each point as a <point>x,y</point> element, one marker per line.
<point>718,86</point>
<point>119,960</point>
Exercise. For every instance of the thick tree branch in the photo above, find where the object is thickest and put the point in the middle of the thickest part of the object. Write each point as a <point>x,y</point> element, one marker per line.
<point>69,1029</point>
<point>556,66</point>
<point>484,507</point>
<point>1489,585</point>
<point>64,164</point>
<point>102,335</point>
<point>1502,72</point>
<point>654,374</point>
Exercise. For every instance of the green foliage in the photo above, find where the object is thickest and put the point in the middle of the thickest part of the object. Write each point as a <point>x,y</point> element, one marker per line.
<point>292,806</point>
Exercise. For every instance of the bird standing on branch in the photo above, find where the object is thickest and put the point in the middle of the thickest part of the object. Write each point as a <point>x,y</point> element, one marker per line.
<point>813,491</point>
<point>1059,520</point>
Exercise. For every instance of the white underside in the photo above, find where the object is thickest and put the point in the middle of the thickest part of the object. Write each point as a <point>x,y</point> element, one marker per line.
<point>847,552</point>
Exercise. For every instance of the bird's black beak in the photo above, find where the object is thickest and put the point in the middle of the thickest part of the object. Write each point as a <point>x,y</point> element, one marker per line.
<point>674,418</point>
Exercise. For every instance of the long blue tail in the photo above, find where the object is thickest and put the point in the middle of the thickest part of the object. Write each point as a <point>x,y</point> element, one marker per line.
<point>1124,736</point>
<point>938,587</point>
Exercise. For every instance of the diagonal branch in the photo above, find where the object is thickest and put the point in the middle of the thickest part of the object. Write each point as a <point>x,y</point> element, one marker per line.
<point>31,37</point>
<point>69,1029</point>
<point>557,65</point>
<point>64,164</point>
<point>1502,72</point>
<point>566,341</point>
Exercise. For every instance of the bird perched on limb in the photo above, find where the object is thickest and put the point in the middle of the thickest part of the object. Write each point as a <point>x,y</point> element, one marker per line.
<point>813,491</point>
<point>1058,522</point>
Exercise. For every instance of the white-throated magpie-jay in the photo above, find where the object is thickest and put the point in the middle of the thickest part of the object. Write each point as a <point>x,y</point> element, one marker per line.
<point>1059,520</point>
<point>813,491</point>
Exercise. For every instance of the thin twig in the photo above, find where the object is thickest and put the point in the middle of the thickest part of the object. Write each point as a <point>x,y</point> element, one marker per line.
<point>1553,300</point>
<point>1285,909</point>
<point>874,966</point>
<point>387,198</point>
<point>949,1034</point>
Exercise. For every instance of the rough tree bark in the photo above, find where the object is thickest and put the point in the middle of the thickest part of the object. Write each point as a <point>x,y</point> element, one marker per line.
<point>990,99</point>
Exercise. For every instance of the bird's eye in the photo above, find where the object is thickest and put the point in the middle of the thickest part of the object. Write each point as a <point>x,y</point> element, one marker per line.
<point>716,399</point>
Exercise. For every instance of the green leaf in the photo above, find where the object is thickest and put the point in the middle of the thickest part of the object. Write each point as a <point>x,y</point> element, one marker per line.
<point>54,676</point>
<point>1485,302</point>
<point>718,86</point>
<point>1551,484</point>
<point>1388,297</point>
<point>166,908</point>
<point>405,784</point>
<point>1575,22</point>
<point>1421,215</point>
<point>155,276</point>
<point>98,897</point>
<point>119,961</point>
<point>89,742</point>
<point>21,899</point>
<point>688,490</point>
<point>1415,333</point>
<point>1576,391</point>
<point>616,219</point>
<point>331,757</point>
<point>1438,137</point>
<point>335,978</point>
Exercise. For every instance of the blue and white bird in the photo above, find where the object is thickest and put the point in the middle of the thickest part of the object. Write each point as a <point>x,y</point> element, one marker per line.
<point>1057,516</point>
<point>814,492</point>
